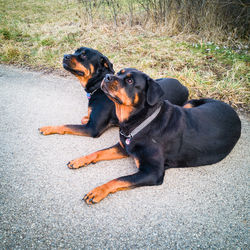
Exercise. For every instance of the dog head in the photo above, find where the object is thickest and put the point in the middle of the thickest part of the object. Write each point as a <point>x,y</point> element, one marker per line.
<point>132,89</point>
<point>88,65</point>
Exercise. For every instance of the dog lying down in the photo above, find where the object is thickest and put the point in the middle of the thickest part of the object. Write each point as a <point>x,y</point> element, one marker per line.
<point>90,67</point>
<point>160,135</point>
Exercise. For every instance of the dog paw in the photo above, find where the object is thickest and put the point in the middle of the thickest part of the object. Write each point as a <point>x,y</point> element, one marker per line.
<point>96,195</point>
<point>44,130</point>
<point>85,120</point>
<point>48,130</point>
<point>81,162</point>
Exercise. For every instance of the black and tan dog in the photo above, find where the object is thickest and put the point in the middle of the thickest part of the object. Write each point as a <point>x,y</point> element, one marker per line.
<point>160,135</point>
<point>90,67</point>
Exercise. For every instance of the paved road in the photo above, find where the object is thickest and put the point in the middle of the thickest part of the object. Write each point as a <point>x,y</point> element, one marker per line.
<point>41,204</point>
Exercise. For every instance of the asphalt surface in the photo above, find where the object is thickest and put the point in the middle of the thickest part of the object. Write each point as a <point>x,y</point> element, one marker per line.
<point>41,206</point>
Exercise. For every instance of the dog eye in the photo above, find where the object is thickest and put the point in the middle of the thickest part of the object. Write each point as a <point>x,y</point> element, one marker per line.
<point>129,80</point>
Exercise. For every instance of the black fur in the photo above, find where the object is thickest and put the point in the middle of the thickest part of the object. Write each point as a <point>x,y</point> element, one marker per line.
<point>177,137</point>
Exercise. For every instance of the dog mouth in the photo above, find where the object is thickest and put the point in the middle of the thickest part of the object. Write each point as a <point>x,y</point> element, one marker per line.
<point>75,72</point>
<point>110,95</point>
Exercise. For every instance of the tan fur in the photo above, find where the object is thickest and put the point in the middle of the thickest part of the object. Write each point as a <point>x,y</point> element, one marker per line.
<point>102,155</point>
<point>188,106</point>
<point>87,73</point>
<point>123,111</point>
<point>99,193</point>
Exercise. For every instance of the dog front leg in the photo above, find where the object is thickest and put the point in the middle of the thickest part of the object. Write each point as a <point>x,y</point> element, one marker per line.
<point>123,183</point>
<point>112,153</point>
<point>83,130</point>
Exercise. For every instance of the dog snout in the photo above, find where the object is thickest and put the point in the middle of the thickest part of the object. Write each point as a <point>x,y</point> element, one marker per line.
<point>108,78</point>
<point>66,57</point>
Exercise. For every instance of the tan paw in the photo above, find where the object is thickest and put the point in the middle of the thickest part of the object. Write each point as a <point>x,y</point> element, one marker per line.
<point>81,162</point>
<point>85,120</point>
<point>96,195</point>
<point>48,130</point>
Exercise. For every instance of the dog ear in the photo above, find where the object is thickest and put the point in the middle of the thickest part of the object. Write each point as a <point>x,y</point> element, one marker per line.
<point>155,93</point>
<point>107,64</point>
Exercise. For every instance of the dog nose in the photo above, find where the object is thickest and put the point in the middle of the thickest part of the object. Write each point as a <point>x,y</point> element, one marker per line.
<point>66,57</point>
<point>108,78</point>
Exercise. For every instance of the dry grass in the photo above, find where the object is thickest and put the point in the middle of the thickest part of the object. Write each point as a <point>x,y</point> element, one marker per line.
<point>36,34</point>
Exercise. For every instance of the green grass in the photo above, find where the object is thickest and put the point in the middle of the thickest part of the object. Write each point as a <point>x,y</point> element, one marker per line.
<point>36,34</point>
<point>223,53</point>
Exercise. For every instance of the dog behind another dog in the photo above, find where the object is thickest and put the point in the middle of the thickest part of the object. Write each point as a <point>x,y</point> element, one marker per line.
<point>90,67</point>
